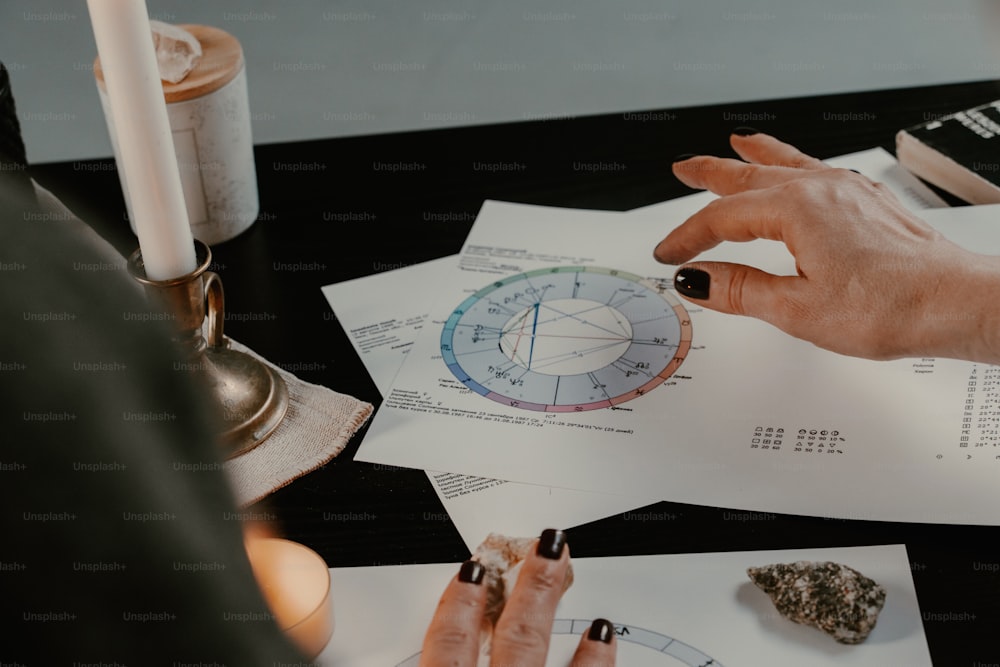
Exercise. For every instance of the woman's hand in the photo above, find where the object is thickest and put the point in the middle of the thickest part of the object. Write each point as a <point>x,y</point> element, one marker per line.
<point>866,265</point>
<point>522,632</point>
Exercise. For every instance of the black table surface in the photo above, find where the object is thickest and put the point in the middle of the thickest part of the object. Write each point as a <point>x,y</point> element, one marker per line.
<point>342,208</point>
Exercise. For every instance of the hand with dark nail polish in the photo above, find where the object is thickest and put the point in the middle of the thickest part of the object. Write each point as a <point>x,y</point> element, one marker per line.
<point>463,622</point>
<point>872,279</point>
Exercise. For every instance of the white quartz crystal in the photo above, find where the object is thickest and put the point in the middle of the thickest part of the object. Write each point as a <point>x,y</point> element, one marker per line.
<point>177,51</point>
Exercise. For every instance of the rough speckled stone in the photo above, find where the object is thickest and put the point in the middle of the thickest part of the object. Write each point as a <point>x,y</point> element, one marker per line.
<point>828,596</point>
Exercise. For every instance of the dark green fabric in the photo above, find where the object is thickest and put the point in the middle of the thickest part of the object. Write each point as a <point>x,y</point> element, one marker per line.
<point>121,540</point>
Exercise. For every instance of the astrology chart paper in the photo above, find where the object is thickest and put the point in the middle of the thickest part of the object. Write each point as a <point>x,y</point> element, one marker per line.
<point>668,611</point>
<point>382,331</point>
<point>557,354</point>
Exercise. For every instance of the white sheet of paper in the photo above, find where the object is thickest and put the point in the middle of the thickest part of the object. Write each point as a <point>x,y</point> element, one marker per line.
<point>668,610</point>
<point>894,443</point>
<point>382,330</point>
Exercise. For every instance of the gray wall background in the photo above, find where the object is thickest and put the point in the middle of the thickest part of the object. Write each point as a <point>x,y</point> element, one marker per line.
<point>337,68</point>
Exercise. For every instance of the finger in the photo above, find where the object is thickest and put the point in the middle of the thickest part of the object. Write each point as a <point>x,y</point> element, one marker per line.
<point>738,289</point>
<point>523,631</point>
<point>597,647</point>
<point>726,176</point>
<point>764,149</point>
<point>453,635</point>
<point>740,217</point>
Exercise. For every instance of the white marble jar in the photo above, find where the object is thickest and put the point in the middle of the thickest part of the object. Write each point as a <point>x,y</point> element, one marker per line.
<point>209,113</point>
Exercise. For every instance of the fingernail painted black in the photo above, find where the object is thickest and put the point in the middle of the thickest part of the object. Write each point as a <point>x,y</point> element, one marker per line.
<point>601,630</point>
<point>471,572</point>
<point>692,283</point>
<point>683,156</point>
<point>551,544</point>
<point>745,131</point>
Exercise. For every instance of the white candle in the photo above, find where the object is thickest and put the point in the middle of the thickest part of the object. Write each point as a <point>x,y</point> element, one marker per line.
<point>145,144</point>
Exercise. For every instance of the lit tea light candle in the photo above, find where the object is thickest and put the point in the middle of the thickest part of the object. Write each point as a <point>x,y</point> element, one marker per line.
<point>146,149</point>
<point>295,582</point>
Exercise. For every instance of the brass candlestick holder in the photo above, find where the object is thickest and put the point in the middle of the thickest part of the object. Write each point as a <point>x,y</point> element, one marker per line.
<point>253,397</point>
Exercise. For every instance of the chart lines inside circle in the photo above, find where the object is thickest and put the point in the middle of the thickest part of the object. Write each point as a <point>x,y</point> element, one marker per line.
<point>567,339</point>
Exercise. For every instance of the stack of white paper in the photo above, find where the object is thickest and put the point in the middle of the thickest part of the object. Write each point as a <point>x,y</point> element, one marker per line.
<point>748,417</point>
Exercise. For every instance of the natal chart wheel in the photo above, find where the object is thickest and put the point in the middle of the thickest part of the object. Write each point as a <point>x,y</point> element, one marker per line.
<point>567,338</point>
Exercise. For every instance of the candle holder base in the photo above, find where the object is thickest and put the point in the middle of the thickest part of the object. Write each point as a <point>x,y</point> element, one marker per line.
<point>252,397</point>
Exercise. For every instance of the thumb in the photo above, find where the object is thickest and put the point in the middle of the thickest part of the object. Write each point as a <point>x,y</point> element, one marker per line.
<point>736,289</point>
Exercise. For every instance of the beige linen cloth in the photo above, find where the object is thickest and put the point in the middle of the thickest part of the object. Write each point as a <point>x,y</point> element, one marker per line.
<point>316,428</point>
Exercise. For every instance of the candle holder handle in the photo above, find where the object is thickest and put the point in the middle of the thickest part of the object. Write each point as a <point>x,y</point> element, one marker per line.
<point>252,396</point>
<point>215,309</point>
